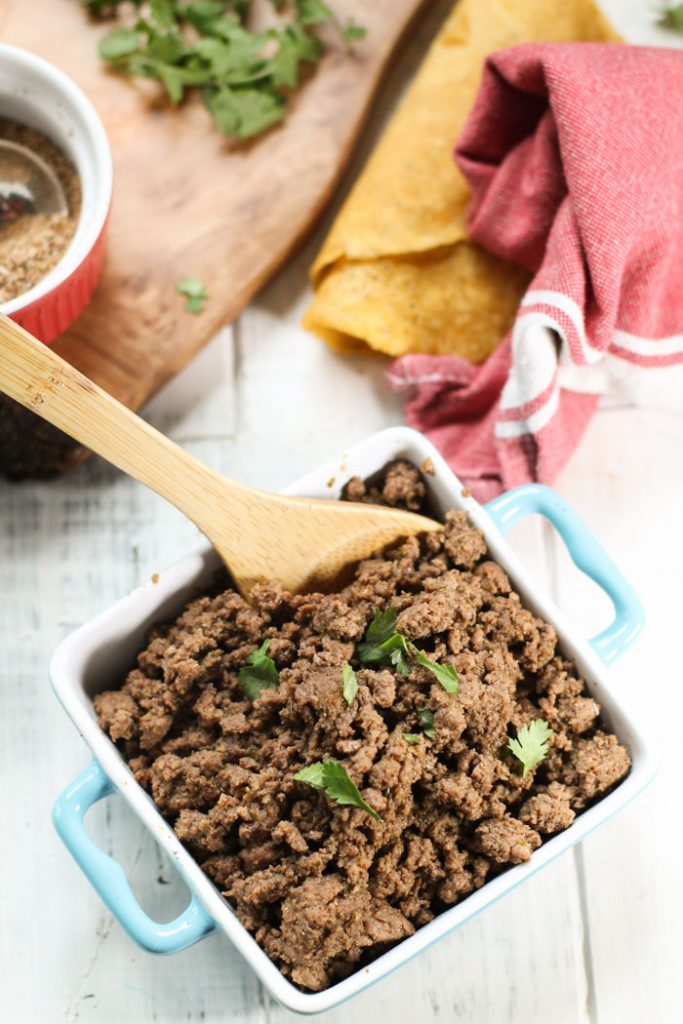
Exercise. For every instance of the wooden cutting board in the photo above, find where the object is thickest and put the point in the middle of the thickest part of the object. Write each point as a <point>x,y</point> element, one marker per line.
<point>186,201</point>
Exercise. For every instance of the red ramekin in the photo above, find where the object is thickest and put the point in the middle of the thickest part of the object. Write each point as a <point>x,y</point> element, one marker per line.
<point>38,94</point>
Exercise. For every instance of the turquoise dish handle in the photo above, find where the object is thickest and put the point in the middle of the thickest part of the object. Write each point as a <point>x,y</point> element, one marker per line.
<point>108,877</point>
<point>587,554</point>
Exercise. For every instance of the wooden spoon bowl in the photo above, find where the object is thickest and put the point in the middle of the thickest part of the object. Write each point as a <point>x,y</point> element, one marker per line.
<point>305,543</point>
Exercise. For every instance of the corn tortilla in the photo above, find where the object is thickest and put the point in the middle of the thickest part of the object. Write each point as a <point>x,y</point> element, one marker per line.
<point>397,273</point>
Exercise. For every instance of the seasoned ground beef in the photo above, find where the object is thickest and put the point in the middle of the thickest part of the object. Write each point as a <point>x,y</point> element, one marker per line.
<point>323,887</point>
<point>400,485</point>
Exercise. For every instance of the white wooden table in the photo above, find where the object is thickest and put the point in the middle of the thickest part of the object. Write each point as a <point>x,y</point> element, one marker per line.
<point>594,938</point>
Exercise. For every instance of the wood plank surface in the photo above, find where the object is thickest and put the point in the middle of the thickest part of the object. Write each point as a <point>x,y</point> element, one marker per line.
<point>630,871</point>
<point>186,201</point>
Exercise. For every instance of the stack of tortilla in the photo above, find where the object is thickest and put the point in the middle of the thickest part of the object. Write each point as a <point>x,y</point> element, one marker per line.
<point>396,272</point>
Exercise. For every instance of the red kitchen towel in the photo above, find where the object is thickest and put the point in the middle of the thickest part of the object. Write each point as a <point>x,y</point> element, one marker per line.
<point>574,154</point>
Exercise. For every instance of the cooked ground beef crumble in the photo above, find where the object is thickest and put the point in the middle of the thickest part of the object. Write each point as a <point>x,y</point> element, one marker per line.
<point>325,888</point>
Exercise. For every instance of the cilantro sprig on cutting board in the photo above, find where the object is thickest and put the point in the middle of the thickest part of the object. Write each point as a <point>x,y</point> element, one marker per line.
<point>245,75</point>
<point>194,291</point>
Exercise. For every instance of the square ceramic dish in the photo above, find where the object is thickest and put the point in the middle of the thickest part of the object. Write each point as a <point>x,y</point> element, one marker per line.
<point>99,655</point>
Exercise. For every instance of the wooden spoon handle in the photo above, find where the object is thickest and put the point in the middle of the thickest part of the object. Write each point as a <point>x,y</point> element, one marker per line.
<point>40,380</point>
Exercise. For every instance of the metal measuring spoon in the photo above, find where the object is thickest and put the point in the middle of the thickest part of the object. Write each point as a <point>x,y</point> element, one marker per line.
<point>28,184</point>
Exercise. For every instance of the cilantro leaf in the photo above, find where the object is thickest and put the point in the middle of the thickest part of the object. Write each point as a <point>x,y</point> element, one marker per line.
<point>411,737</point>
<point>397,651</point>
<point>284,64</point>
<point>312,12</point>
<point>353,32</point>
<point>195,291</point>
<point>426,716</point>
<point>230,64</point>
<point>672,17</point>
<point>172,80</point>
<point>242,49</point>
<point>350,684</point>
<point>164,48</point>
<point>120,43</point>
<point>202,11</point>
<point>244,74</point>
<point>446,675</point>
<point>392,652</point>
<point>163,11</point>
<point>383,626</point>
<point>531,744</point>
<point>313,775</point>
<point>222,110</point>
<point>245,112</point>
<point>257,111</point>
<point>260,673</point>
<point>333,778</point>
<point>384,646</point>
<point>294,47</point>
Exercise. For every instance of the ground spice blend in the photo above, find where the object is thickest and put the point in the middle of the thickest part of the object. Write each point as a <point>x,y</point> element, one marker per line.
<point>34,243</point>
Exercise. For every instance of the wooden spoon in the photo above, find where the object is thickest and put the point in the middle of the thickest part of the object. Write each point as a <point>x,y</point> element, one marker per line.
<point>303,542</point>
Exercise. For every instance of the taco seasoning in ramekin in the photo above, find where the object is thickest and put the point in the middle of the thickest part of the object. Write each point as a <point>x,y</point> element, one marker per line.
<point>54,266</point>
